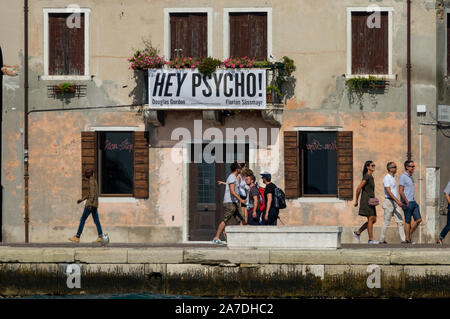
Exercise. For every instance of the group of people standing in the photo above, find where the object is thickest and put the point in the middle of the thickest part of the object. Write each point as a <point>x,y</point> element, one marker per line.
<point>395,198</point>
<point>242,199</point>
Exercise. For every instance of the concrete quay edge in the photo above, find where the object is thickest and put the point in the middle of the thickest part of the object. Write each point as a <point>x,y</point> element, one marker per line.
<point>212,256</point>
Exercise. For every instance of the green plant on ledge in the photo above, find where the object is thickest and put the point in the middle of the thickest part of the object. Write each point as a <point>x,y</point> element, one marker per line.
<point>361,84</point>
<point>209,65</point>
<point>65,88</point>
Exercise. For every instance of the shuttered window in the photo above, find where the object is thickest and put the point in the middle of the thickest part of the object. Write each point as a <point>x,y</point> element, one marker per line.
<point>119,160</point>
<point>66,45</point>
<point>248,35</point>
<point>318,164</point>
<point>370,43</point>
<point>188,35</point>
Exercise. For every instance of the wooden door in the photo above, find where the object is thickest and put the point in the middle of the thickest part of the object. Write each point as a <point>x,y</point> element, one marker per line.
<point>206,196</point>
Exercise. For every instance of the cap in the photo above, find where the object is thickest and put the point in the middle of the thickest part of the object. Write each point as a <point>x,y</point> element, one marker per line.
<point>266,174</point>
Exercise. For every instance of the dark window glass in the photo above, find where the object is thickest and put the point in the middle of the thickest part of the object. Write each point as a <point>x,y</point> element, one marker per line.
<point>320,163</point>
<point>116,163</point>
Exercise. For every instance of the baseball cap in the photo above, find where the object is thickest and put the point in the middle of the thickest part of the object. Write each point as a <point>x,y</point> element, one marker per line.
<point>266,174</point>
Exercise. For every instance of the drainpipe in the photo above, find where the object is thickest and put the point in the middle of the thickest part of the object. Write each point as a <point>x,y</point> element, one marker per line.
<point>25,151</point>
<point>408,70</point>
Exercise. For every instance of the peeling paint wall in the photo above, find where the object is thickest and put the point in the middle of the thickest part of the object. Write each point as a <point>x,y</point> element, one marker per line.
<point>315,37</point>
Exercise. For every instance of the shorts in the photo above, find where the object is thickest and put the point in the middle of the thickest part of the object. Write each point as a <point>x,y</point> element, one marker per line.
<point>412,210</point>
<point>231,210</point>
<point>243,204</point>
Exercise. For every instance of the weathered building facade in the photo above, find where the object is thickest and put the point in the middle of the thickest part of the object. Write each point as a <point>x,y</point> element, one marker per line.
<point>318,138</point>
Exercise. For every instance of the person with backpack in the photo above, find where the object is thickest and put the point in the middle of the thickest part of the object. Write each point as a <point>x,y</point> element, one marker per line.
<point>254,199</point>
<point>271,211</point>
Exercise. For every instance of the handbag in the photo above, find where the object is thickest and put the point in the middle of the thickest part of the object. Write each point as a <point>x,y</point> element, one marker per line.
<point>374,201</point>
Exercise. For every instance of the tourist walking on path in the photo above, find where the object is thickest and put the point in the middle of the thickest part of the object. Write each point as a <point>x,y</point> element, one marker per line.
<point>447,227</point>
<point>367,190</point>
<point>230,202</point>
<point>391,204</point>
<point>271,213</point>
<point>253,214</point>
<point>410,207</point>
<point>90,208</point>
<point>243,188</point>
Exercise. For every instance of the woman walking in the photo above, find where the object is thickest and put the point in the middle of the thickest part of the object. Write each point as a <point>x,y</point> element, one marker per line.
<point>367,190</point>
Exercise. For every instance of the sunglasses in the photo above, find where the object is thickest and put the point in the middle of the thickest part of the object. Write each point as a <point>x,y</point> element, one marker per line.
<point>392,167</point>
<point>372,165</point>
<point>412,166</point>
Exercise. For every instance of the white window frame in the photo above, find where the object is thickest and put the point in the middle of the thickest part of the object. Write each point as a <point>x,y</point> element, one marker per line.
<point>168,11</point>
<point>226,29</point>
<point>390,11</point>
<point>46,75</point>
<point>312,199</point>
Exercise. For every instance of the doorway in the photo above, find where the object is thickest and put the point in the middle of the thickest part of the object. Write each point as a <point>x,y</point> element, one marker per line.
<point>205,195</point>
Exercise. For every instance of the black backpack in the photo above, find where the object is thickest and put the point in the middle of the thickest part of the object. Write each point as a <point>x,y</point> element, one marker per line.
<point>279,201</point>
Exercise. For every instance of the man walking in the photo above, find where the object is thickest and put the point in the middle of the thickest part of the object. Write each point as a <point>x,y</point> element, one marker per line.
<point>90,207</point>
<point>410,207</point>
<point>230,202</point>
<point>391,203</point>
<point>271,213</point>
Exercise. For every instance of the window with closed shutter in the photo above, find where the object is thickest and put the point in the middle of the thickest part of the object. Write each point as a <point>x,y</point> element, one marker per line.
<point>188,35</point>
<point>66,44</point>
<point>248,35</point>
<point>370,43</point>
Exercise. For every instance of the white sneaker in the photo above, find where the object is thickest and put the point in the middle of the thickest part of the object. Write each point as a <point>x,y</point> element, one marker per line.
<point>373,242</point>
<point>357,237</point>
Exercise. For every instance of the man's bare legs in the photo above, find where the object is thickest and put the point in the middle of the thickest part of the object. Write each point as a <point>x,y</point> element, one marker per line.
<point>220,229</point>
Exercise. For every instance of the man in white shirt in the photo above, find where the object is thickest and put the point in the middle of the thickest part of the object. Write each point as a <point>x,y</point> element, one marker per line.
<point>391,204</point>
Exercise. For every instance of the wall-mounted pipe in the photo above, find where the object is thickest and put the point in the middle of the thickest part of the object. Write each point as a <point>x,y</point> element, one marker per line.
<point>408,71</point>
<point>25,149</point>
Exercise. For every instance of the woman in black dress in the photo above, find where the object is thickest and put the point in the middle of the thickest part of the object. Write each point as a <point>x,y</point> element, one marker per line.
<point>367,190</point>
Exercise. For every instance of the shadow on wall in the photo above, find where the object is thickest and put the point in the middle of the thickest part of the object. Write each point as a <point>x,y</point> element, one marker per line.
<point>140,91</point>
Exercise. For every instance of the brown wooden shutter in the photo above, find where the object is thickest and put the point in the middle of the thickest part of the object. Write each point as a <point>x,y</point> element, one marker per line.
<point>370,46</point>
<point>248,35</point>
<point>88,157</point>
<point>75,38</point>
<point>141,166</point>
<point>57,44</point>
<point>189,32</point>
<point>292,164</point>
<point>66,46</point>
<point>258,36</point>
<point>345,165</point>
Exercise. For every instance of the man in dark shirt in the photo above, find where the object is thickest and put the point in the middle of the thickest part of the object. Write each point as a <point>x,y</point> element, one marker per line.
<point>271,214</point>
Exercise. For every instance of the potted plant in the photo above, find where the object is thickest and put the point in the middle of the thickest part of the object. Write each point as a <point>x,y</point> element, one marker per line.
<point>209,65</point>
<point>183,63</point>
<point>148,58</point>
<point>238,63</point>
<point>65,88</point>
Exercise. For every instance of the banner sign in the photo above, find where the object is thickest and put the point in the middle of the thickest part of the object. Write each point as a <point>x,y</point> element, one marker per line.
<point>190,89</point>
